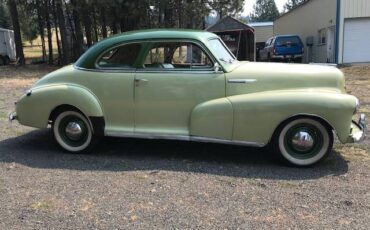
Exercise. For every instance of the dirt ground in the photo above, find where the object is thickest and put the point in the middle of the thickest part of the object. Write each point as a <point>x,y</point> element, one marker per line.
<point>141,184</point>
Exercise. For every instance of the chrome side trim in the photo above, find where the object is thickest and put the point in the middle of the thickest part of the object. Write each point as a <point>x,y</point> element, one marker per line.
<point>149,71</point>
<point>229,142</point>
<point>132,70</point>
<point>169,71</point>
<point>148,136</point>
<point>183,138</point>
<point>244,81</point>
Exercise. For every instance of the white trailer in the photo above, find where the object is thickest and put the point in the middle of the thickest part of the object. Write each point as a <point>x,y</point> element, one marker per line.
<point>7,47</point>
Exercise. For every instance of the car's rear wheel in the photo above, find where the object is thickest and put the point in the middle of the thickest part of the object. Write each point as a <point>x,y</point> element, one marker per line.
<point>303,141</point>
<point>73,132</point>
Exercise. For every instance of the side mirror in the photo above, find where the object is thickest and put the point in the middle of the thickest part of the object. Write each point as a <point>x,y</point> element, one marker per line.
<point>216,67</point>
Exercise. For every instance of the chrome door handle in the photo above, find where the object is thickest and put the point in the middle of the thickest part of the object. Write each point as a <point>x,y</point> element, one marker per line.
<point>137,81</point>
<point>244,81</point>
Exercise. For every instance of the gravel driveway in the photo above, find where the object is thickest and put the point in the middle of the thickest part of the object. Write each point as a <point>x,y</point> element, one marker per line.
<point>144,184</point>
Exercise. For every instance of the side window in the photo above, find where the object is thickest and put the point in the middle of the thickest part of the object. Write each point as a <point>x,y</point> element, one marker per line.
<point>121,57</point>
<point>176,55</point>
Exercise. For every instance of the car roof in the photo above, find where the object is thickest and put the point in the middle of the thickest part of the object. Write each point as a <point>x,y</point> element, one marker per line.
<point>87,60</point>
<point>286,35</point>
<point>163,33</point>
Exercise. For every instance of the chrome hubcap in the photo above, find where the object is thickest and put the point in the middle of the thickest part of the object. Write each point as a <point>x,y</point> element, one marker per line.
<point>74,131</point>
<point>302,141</point>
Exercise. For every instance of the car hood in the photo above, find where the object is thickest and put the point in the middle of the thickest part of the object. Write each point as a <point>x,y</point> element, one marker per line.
<point>251,77</point>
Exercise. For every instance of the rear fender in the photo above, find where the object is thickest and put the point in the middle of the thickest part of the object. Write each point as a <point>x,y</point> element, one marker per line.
<point>34,108</point>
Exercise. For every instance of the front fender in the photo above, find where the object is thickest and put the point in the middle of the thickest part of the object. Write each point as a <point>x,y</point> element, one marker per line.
<point>212,119</point>
<point>257,115</point>
<point>34,109</point>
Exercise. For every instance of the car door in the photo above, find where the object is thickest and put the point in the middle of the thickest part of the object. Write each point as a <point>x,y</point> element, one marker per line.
<point>174,77</point>
<point>113,84</point>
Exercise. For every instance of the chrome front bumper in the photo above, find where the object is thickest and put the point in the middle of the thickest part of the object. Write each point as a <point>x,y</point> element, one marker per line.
<point>12,116</point>
<point>358,130</point>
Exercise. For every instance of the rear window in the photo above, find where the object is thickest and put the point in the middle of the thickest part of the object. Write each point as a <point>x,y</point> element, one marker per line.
<point>288,41</point>
<point>121,57</point>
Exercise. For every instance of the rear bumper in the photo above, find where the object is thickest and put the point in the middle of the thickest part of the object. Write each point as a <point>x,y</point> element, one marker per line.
<point>358,130</point>
<point>289,56</point>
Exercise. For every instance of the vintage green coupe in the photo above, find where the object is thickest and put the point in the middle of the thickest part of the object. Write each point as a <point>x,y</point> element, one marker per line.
<point>186,85</point>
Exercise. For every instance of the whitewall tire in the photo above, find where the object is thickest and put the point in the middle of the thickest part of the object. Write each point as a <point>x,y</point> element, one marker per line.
<point>72,131</point>
<point>303,142</point>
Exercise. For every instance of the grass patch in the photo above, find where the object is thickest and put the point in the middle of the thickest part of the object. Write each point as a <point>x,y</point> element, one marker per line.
<point>41,206</point>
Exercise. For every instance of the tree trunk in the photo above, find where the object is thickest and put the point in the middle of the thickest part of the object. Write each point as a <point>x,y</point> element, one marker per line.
<point>17,31</point>
<point>114,25</point>
<point>122,25</point>
<point>56,24</point>
<point>179,8</point>
<point>50,37</point>
<point>95,26</point>
<point>104,22</point>
<point>41,30</point>
<point>70,22</point>
<point>63,33</point>
<point>86,20</point>
<point>78,29</point>
<point>203,15</point>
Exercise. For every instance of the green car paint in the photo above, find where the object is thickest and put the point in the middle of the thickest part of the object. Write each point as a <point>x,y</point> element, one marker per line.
<point>243,102</point>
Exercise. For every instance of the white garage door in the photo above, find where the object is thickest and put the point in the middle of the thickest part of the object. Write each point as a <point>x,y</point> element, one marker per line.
<point>356,40</point>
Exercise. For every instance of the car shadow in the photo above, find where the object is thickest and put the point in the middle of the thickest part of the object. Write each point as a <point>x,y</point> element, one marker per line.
<point>37,149</point>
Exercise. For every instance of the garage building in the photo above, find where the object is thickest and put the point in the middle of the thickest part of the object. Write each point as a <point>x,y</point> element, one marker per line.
<point>334,31</point>
<point>262,32</point>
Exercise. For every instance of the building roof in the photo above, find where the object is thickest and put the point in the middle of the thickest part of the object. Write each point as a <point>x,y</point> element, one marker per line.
<point>1,29</point>
<point>228,24</point>
<point>260,24</point>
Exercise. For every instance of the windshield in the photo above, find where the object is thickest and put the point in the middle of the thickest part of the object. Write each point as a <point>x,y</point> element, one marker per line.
<point>221,52</point>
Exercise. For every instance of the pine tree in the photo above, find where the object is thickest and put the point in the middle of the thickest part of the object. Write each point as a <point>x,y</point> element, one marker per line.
<point>264,10</point>
<point>291,4</point>
<point>12,6</point>
<point>4,17</point>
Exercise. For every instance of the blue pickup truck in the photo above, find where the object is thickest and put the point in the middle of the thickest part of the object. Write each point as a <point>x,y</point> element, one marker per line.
<point>288,48</point>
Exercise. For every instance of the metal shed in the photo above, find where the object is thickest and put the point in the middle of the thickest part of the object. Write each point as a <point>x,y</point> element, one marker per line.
<point>238,36</point>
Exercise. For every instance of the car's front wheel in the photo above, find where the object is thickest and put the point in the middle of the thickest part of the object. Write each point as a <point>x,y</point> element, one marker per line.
<point>303,141</point>
<point>73,132</point>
